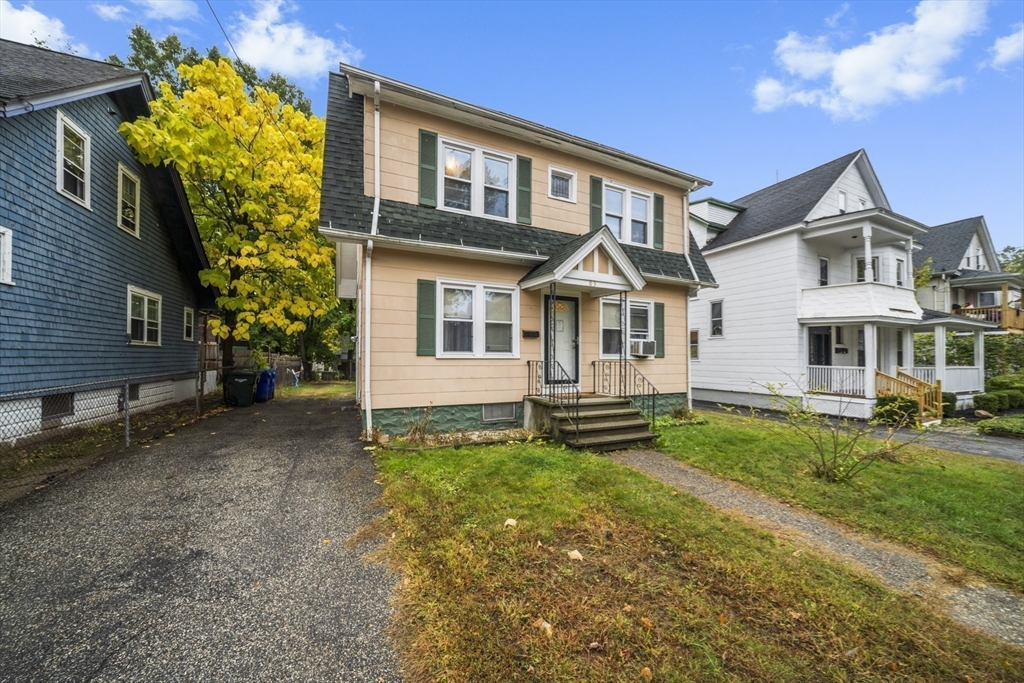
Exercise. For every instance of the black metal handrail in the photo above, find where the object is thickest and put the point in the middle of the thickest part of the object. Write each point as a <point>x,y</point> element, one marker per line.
<point>549,380</point>
<point>621,378</point>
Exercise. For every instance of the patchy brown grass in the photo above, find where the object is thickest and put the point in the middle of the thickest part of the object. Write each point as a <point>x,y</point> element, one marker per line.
<point>666,587</point>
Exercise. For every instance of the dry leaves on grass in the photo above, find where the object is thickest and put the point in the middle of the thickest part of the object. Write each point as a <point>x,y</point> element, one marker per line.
<point>575,555</point>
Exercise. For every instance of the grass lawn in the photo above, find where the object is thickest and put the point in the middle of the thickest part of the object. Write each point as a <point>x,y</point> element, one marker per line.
<point>965,509</point>
<point>667,589</point>
<point>314,389</point>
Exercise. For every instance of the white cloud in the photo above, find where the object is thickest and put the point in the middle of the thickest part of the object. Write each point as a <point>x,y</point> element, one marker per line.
<point>1008,49</point>
<point>833,20</point>
<point>27,25</point>
<point>110,12</point>
<point>168,9</point>
<point>267,41</point>
<point>902,61</point>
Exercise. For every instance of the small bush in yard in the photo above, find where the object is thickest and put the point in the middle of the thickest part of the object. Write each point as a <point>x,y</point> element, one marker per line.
<point>1004,399</point>
<point>1002,382</point>
<point>948,403</point>
<point>987,402</point>
<point>1016,398</point>
<point>1004,425</point>
<point>899,410</point>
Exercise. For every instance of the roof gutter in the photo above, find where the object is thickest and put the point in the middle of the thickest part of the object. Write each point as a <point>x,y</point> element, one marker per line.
<point>58,97</point>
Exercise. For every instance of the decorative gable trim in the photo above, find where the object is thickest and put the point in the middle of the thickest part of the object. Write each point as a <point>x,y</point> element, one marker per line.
<point>602,239</point>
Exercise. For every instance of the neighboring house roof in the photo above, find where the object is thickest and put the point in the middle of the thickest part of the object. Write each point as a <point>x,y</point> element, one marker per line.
<point>344,207</point>
<point>946,244</point>
<point>960,321</point>
<point>32,78</point>
<point>783,204</point>
<point>980,278</point>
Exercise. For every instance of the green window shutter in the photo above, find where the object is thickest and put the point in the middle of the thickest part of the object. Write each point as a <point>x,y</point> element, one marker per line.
<point>428,168</point>
<point>524,188</point>
<point>659,222</point>
<point>659,329</point>
<point>596,203</point>
<point>426,305</point>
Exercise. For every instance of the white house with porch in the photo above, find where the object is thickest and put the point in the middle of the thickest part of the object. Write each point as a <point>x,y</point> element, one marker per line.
<point>816,292</point>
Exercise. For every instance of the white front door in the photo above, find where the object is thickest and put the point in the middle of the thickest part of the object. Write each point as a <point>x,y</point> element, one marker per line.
<point>567,338</point>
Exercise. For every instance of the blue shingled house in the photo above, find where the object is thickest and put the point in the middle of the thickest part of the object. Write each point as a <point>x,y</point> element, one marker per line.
<point>99,254</point>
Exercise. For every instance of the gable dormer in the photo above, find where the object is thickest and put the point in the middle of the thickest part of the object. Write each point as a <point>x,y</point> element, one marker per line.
<point>980,253</point>
<point>856,189</point>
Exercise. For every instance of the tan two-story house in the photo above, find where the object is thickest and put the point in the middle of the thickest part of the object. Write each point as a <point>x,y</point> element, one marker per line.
<point>506,273</point>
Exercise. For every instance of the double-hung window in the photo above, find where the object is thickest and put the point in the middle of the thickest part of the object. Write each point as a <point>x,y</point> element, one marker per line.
<point>694,344</point>
<point>822,271</point>
<point>477,320</point>
<point>476,181</point>
<point>900,275</point>
<point>639,325</point>
<point>6,237</point>
<point>860,268</point>
<point>127,200</point>
<point>73,162</point>
<point>717,328</point>
<point>627,213</point>
<point>842,202</point>
<point>190,324</point>
<point>143,317</point>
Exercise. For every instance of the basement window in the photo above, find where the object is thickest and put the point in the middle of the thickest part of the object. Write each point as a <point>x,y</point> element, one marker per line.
<point>58,405</point>
<point>499,412</point>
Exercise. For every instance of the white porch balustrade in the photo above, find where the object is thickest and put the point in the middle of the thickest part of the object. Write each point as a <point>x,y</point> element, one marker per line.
<point>959,379</point>
<point>833,379</point>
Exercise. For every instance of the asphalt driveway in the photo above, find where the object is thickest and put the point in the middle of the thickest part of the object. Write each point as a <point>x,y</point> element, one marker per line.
<point>215,554</point>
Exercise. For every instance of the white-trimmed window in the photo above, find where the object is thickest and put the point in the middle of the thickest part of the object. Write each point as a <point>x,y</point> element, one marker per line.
<point>860,269</point>
<point>977,259</point>
<point>499,412</point>
<point>6,239</point>
<point>143,317</point>
<point>717,319</point>
<point>987,298</point>
<point>639,325</point>
<point>822,271</point>
<point>627,213</point>
<point>190,324</point>
<point>73,160</point>
<point>477,320</point>
<point>694,344</point>
<point>127,200</point>
<point>901,268</point>
<point>476,181</point>
<point>842,202</point>
<point>562,184</point>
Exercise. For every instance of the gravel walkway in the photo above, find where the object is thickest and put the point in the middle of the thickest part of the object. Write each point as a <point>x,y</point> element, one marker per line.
<point>988,608</point>
<point>217,554</point>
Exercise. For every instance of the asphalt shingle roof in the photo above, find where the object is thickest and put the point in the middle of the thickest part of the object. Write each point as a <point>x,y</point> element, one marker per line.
<point>783,204</point>
<point>946,244</point>
<point>27,71</point>
<point>344,206</point>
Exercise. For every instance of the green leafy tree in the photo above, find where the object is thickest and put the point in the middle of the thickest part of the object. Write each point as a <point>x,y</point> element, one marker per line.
<point>161,59</point>
<point>923,275</point>
<point>251,167</point>
<point>1011,259</point>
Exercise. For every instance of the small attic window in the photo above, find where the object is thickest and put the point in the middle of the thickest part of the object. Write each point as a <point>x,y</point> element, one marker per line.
<point>842,202</point>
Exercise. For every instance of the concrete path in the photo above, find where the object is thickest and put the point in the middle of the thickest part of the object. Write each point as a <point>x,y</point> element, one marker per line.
<point>991,609</point>
<point>216,554</point>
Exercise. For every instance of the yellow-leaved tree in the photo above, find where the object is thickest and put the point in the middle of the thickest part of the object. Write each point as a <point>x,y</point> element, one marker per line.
<point>251,168</point>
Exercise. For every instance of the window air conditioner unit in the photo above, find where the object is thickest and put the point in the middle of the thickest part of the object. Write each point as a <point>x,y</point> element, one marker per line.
<point>646,348</point>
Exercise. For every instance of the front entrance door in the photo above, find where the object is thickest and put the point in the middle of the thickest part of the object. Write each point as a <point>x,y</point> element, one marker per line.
<point>821,346</point>
<point>567,337</point>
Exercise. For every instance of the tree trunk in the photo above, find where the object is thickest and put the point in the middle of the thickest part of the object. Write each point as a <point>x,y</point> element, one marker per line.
<point>227,346</point>
<point>307,370</point>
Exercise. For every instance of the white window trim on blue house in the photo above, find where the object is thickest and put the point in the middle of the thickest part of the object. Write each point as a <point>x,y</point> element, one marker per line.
<point>189,333</point>
<point>123,171</point>
<point>6,239</point>
<point>146,296</point>
<point>63,121</point>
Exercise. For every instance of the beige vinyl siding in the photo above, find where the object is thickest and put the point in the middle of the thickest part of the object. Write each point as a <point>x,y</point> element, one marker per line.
<point>399,151</point>
<point>401,379</point>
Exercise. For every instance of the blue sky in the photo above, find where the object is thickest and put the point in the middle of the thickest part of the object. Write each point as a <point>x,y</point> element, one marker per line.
<point>733,92</point>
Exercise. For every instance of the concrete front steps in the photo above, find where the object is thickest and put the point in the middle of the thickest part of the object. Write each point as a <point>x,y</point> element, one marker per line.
<point>605,424</point>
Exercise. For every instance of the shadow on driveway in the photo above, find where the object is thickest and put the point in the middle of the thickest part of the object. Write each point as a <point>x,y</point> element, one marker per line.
<point>216,554</point>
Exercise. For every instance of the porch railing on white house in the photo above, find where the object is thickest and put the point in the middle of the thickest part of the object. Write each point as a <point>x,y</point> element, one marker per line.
<point>834,379</point>
<point>958,378</point>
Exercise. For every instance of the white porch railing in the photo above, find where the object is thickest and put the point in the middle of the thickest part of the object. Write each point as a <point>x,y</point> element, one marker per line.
<point>833,379</point>
<point>958,379</point>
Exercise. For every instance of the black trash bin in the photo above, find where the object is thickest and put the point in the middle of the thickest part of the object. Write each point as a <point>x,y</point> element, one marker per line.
<point>239,387</point>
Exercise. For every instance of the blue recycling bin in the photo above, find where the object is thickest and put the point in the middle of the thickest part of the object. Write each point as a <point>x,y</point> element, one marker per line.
<point>273,382</point>
<point>263,387</point>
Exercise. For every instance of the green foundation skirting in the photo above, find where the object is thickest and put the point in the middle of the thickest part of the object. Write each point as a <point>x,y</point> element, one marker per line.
<point>470,417</point>
<point>664,404</point>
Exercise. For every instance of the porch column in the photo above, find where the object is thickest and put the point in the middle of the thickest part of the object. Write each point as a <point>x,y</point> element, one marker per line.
<point>908,277</point>
<point>869,272</point>
<point>870,354</point>
<point>1004,306</point>
<point>940,353</point>
<point>908,348</point>
<point>979,350</point>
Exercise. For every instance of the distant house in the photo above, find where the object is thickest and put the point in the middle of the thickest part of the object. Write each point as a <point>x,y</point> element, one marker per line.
<point>816,292</point>
<point>966,278</point>
<point>505,271</point>
<point>99,255</point>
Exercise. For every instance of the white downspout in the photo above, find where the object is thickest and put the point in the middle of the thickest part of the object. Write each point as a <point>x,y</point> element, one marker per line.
<point>367,289</point>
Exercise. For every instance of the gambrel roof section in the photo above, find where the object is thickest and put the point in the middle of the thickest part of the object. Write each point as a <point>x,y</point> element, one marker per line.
<point>794,200</point>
